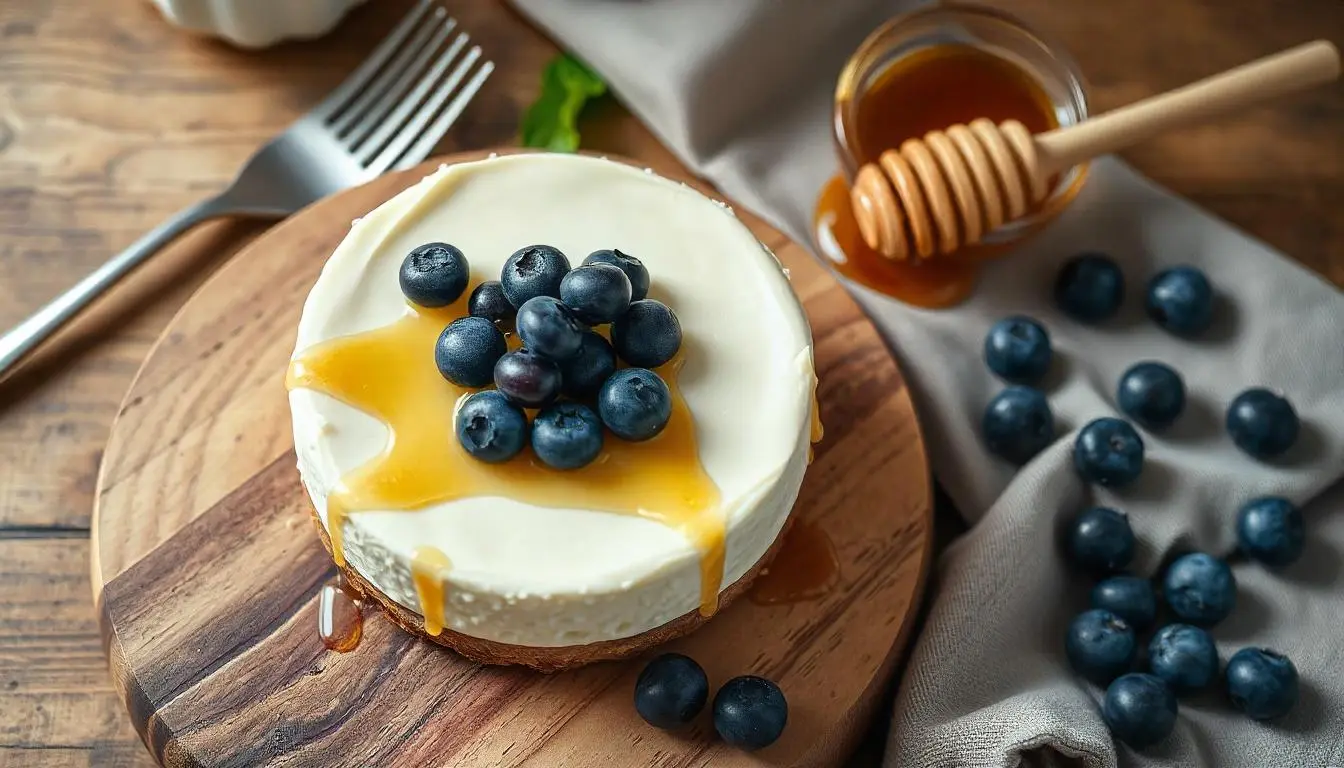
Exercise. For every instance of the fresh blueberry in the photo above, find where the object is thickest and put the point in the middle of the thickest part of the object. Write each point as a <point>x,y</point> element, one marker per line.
<point>566,435</point>
<point>1100,645</point>
<point>467,351</point>
<point>631,266</point>
<point>671,691</point>
<point>490,427</point>
<point>488,301</point>
<point>1152,394</point>
<point>647,335</point>
<point>1017,424</point>
<point>528,379</point>
<point>533,271</point>
<point>1099,540</point>
<point>1139,709</point>
<point>1129,597</point>
<point>1018,350</point>
<point>583,374</point>
<point>598,293</point>
<point>434,275</point>
<point>635,404</point>
<point>1261,683</point>
<point>1200,588</point>
<point>750,712</point>
<point>1108,452</point>
<point>1262,423</point>
<point>1271,530</point>
<point>1090,287</point>
<point>1183,656</point>
<point>1180,300</point>
<point>549,328</point>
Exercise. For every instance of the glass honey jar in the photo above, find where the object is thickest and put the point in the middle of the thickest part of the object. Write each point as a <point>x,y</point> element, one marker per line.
<point>922,71</point>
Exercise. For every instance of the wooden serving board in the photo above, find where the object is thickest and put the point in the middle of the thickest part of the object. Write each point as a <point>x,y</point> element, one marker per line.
<point>206,569</point>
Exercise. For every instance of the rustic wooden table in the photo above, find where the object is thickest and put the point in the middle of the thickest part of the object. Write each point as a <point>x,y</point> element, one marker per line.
<point>110,120</point>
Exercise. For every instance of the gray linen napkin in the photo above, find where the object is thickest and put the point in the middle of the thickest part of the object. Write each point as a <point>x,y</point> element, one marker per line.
<point>740,90</point>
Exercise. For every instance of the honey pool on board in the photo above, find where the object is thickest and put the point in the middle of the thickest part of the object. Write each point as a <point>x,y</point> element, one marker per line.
<point>927,90</point>
<point>340,619</point>
<point>423,463</point>
<point>805,568</point>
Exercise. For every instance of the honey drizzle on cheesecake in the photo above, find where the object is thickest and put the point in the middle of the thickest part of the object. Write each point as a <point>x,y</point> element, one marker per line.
<point>428,568</point>
<point>389,373</point>
<point>816,431</point>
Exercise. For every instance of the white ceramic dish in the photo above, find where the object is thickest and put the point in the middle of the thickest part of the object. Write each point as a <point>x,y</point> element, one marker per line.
<point>256,23</point>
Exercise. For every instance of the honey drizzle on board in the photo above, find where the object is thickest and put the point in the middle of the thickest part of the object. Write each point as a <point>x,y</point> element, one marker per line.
<point>806,568</point>
<point>340,618</point>
<point>927,90</point>
<point>422,462</point>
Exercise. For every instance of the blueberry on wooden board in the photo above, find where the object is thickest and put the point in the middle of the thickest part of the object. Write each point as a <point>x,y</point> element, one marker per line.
<point>670,691</point>
<point>750,712</point>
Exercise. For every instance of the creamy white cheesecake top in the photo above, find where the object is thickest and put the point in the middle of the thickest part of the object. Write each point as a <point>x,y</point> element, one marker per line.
<point>547,576</point>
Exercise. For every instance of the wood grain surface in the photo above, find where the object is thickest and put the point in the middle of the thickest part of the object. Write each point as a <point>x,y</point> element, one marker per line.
<point>110,120</point>
<point>206,571</point>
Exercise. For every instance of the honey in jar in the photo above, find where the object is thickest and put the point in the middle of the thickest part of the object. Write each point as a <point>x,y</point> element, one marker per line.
<point>908,79</point>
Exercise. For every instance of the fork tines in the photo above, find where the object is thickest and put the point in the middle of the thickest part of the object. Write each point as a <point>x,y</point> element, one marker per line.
<point>394,109</point>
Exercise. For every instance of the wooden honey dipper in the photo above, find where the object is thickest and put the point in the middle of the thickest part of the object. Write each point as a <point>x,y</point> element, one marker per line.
<point>953,186</point>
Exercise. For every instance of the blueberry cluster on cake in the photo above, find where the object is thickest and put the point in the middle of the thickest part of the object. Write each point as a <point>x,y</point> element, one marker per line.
<point>559,315</point>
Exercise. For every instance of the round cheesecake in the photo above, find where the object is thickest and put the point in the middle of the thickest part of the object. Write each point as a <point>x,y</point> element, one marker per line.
<point>524,578</point>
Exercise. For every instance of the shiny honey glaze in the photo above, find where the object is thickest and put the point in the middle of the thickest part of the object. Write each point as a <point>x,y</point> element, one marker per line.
<point>806,568</point>
<point>389,373</point>
<point>429,566</point>
<point>926,90</point>
<point>340,618</point>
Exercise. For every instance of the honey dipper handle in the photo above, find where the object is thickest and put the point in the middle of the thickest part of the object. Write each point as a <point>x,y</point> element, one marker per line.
<point>1291,70</point>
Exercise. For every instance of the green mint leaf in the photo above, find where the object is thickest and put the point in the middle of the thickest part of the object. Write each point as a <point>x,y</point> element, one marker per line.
<point>552,121</point>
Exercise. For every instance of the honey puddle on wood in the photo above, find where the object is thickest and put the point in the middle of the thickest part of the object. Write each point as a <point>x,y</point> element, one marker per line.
<point>389,373</point>
<point>340,618</point>
<point>806,568</point>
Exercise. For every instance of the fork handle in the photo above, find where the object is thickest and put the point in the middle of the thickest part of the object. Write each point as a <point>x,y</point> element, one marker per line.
<point>24,337</point>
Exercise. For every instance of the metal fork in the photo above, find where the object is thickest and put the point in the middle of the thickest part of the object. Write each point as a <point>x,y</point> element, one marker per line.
<point>388,115</point>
